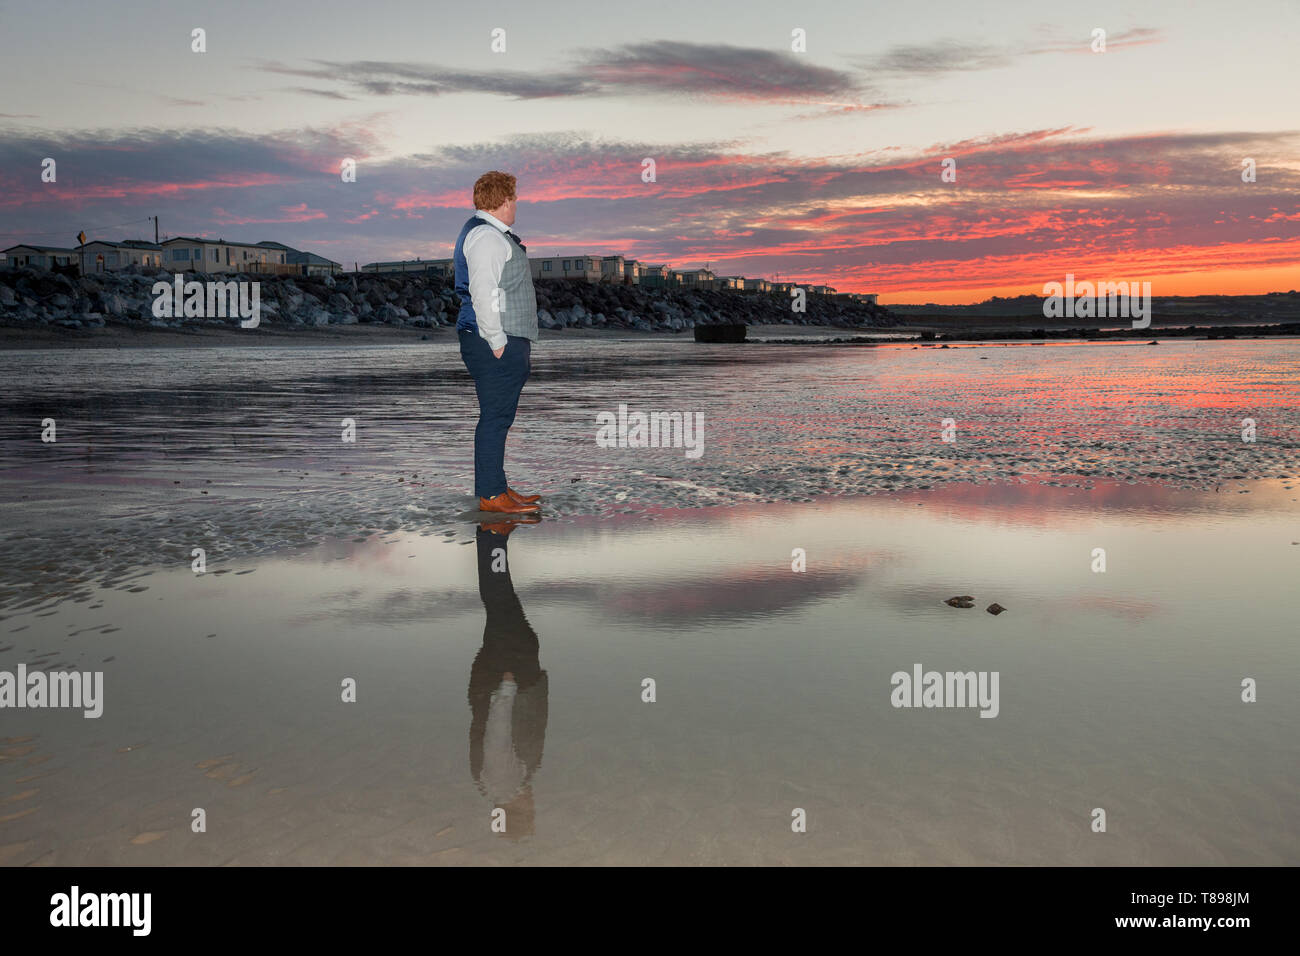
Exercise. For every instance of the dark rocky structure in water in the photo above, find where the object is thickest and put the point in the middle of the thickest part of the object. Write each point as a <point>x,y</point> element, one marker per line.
<point>720,333</point>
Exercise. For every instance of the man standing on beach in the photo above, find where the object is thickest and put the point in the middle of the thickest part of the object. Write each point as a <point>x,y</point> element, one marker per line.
<point>497,327</point>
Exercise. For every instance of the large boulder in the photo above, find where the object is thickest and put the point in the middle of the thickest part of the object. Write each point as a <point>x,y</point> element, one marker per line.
<point>388,313</point>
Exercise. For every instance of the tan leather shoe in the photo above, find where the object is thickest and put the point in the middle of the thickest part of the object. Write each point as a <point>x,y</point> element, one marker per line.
<point>504,504</point>
<point>523,499</point>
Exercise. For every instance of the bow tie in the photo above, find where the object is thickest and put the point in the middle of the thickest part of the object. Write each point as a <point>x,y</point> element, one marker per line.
<point>517,239</point>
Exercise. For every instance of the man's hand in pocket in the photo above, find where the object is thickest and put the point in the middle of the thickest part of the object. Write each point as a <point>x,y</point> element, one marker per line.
<point>499,352</point>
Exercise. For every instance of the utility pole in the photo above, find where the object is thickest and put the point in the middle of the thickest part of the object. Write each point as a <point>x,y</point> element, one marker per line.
<point>155,230</point>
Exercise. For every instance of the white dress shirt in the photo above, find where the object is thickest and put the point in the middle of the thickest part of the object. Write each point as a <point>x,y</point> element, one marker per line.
<point>486,253</point>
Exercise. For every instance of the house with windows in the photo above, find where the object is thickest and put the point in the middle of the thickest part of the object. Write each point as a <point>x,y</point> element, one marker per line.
<point>614,269</point>
<point>733,283</point>
<point>277,247</point>
<point>143,251</point>
<point>219,255</point>
<point>307,263</point>
<point>757,285</point>
<point>104,255</point>
<point>586,268</point>
<point>659,277</point>
<point>41,256</point>
<point>310,264</point>
<point>620,269</point>
<point>438,267</point>
<point>697,279</point>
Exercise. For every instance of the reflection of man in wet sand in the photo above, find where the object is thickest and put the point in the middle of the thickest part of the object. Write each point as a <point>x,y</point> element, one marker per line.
<point>507,691</point>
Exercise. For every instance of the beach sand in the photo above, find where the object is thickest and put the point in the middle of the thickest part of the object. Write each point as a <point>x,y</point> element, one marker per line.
<point>328,562</point>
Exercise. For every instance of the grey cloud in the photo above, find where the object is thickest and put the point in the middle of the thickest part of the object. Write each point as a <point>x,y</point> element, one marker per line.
<point>945,56</point>
<point>323,94</point>
<point>660,67</point>
<point>955,56</point>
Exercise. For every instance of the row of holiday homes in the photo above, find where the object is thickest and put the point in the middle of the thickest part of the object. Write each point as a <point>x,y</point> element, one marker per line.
<point>275,258</point>
<point>620,269</point>
<point>180,252</point>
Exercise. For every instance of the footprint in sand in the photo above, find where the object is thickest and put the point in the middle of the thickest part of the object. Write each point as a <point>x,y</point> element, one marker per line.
<point>148,837</point>
<point>213,761</point>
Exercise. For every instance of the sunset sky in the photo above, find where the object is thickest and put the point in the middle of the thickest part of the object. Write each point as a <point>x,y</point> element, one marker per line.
<point>820,166</point>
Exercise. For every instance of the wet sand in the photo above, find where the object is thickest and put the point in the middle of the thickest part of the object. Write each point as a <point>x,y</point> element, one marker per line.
<point>329,562</point>
<point>773,692</point>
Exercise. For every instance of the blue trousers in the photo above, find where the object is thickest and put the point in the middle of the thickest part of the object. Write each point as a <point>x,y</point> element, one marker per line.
<point>498,382</point>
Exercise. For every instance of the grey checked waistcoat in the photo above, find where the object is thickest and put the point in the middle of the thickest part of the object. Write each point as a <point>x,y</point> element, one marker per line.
<point>518,299</point>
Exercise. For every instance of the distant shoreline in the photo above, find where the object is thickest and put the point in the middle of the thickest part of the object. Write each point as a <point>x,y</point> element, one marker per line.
<point>929,335</point>
<point>119,335</point>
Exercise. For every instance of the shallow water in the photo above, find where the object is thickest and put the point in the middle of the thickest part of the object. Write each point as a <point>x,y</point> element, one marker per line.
<point>1119,690</point>
<point>240,451</point>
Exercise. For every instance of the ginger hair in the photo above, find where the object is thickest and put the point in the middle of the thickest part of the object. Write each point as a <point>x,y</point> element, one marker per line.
<point>493,189</point>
